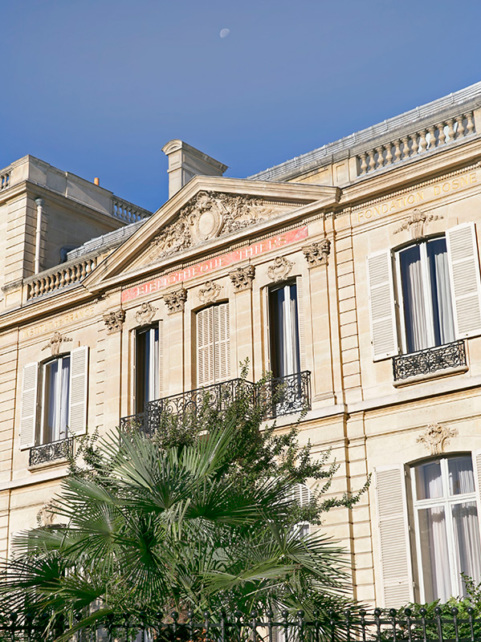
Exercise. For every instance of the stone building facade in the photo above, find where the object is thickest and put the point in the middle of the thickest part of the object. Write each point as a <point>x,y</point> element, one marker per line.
<point>351,272</point>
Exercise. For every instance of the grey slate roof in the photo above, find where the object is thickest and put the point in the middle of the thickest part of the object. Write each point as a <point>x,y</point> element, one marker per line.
<point>106,241</point>
<point>430,113</point>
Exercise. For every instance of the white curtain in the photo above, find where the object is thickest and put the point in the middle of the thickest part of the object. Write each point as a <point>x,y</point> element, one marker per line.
<point>413,295</point>
<point>435,555</point>
<point>466,538</point>
<point>441,292</point>
<point>57,392</point>
<point>429,483</point>
<point>461,478</point>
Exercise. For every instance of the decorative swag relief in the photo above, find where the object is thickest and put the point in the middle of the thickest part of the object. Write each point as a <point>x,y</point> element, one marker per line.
<point>435,437</point>
<point>55,343</point>
<point>416,223</point>
<point>209,215</point>
<point>146,313</point>
<point>210,292</point>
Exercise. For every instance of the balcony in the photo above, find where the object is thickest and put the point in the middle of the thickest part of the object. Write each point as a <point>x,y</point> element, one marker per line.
<point>448,357</point>
<point>51,452</point>
<point>278,397</point>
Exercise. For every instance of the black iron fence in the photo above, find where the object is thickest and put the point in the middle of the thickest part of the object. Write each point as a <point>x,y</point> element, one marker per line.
<point>362,626</point>
<point>278,396</point>
<point>431,360</point>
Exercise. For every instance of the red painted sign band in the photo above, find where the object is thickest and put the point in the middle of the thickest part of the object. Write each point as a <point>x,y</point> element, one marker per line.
<point>224,260</point>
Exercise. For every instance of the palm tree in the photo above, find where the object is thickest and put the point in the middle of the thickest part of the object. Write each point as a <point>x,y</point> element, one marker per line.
<point>152,530</point>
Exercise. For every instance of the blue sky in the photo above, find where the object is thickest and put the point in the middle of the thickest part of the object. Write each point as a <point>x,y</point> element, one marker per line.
<point>97,87</point>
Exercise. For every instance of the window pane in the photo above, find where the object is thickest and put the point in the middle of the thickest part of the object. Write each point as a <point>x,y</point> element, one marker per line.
<point>52,386</point>
<point>434,554</point>
<point>461,479</point>
<point>428,480</point>
<point>284,331</point>
<point>440,292</point>
<point>413,293</point>
<point>64,398</point>
<point>466,538</point>
<point>147,366</point>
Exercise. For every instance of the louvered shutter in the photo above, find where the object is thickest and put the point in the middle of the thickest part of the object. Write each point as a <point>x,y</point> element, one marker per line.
<point>477,482</point>
<point>77,422</point>
<point>205,347</point>
<point>394,536</point>
<point>465,279</point>
<point>221,342</point>
<point>28,415</point>
<point>382,305</point>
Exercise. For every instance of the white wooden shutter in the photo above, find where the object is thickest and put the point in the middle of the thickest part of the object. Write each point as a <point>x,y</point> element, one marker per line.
<point>394,536</point>
<point>205,347</point>
<point>28,415</point>
<point>465,279</point>
<point>221,342</point>
<point>77,422</point>
<point>477,482</point>
<point>382,305</point>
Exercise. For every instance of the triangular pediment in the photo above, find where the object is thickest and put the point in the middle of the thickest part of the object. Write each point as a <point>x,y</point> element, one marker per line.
<point>207,211</point>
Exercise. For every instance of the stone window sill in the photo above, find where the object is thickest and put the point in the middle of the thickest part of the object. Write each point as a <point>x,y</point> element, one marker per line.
<point>440,374</point>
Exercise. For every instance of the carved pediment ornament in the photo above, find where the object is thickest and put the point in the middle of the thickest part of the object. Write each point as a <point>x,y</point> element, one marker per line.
<point>175,300</point>
<point>206,216</point>
<point>146,313</point>
<point>279,269</point>
<point>317,253</point>
<point>45,516</point>
<point>210,292</point>
<point>242,277</point>
<point>55,342</point>
<point>114,320</point>
<point>435,437</point>
<point>416,223</point>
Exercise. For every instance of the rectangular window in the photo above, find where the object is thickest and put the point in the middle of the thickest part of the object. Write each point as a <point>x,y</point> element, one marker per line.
<point>446,526</point>
<point>213,344</point>
<point>284,330</point>
<point>56,399</point>
<point>427,309</point>
<point>146,367</point>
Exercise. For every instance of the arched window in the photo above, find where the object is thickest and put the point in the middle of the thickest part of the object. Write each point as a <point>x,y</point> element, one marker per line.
<point>446,526</point>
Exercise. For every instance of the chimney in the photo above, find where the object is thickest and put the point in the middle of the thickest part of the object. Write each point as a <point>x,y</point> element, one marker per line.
<point>185,162</point>
<point>96,181</point>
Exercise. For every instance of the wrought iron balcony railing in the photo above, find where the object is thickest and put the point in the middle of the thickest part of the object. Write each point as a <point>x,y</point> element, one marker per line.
<point>51,452</point>
<point>279,396</point>
<point>431,360</point>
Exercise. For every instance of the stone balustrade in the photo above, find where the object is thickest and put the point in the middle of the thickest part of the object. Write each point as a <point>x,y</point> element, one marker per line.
<point>4,179</point>
<point>59,277</point>
<point>415,144</point>
<point>127,212</point>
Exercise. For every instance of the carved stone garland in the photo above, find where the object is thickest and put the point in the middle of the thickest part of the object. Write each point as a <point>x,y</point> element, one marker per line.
<point>242,277</point>
<point>416,223</point>
<point>210,292</point>
<point>55,342</point>
<point>175,300</point>
<point>114,320</point>
<point>435,437</point>
<point>280,268</point>
<point>146,313</point>
<point>317,253</point>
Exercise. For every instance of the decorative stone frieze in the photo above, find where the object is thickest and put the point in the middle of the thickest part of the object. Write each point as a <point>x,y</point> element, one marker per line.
<point>209,215</point>
<point>114,320</point>
<point>279,269</point>
<point>242,277</point>
<point>416,223</point>
<point>435,437</point>
<point>146,313</point>
<point>317,253</point>
<point>175,300</point>
<point>55,342</point>
<point>210,292</point>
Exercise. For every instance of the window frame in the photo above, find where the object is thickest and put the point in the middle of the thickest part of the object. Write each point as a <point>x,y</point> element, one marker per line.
<point>154,366</point>
<point>273,328</point>
<point>446,501</point>
<point>41,437</point>
<point>427,291</point>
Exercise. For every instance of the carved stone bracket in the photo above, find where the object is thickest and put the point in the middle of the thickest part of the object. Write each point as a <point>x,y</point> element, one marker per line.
<point>114,320</point>
<point>242,277</point>
<point>175,300</point>
<point>435,437</point>
<point>146,313</point>
<point>280,268</point>
<point>210,292</point>
<point>317,253</point>
<point>416,223</point>
<point>55,342</point>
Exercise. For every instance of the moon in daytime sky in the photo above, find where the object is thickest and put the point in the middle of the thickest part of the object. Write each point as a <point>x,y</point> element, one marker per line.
<point>224,33</point>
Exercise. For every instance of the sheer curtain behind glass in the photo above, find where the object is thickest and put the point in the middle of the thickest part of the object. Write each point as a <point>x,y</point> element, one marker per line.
<point>284,330</point>
<point>426,293</point>
<point>56,399</point>
<point>447,526</point>
<point>147,367</point>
